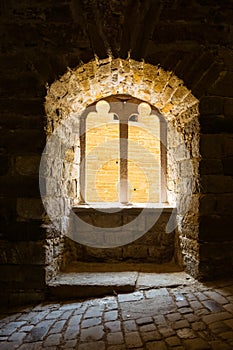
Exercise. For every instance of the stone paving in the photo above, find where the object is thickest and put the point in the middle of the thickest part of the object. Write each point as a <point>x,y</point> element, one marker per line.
<point>194,317</point>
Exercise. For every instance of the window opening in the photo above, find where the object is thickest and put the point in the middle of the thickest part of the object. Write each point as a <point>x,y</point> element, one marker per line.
<point>122,153</point>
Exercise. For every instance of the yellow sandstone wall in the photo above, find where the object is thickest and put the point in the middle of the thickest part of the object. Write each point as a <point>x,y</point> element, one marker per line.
<point>102,159</point>
<point>143,165</point>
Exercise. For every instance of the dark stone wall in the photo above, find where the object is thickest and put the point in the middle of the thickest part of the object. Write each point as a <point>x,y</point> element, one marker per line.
<point>40,39</point>
<point>153,243</point>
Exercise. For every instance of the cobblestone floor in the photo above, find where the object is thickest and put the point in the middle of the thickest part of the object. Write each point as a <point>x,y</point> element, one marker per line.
<point>199,316</point>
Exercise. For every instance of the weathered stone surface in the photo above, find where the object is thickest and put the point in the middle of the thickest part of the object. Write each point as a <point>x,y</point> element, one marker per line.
<point>228,166</point>
<point>92,333</point>
<point>211,228</point>
<point>228,145</point>
<point>196,344</point>
<point>210,146</point>
<point>154,244</point>
<point>156,345</point>
<point>115,338</point>
<point>211,105</point>
<point>215,250</point>
<point>40,42</point>
<point>87,284</point>
<point>212,306</point>
<point>207,204</point>
<point>135,309</point>
<point>228,106</point>
<point>163,279</point>
<point>208,319</point>
<point>217,184</point>
<point>39,332</point>
<point>27,165</point>
<point>111,315</point>
<point>23,253</point>
<point>211,166</point>
<point>133,340</point>
<point>224,85</point>
<point>31,277</point>
<point>28,208</point>
<point>143,322</point>
<point>98,345</point>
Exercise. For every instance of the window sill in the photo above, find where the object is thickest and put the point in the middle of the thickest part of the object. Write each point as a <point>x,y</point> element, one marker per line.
<point>119,207</point>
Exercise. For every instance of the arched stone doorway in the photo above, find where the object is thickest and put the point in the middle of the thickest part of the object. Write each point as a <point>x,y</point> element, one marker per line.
<point>68,98</point>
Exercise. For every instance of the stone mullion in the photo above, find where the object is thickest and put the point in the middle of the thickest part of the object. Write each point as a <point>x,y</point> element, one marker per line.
<point>163,161</point>
<point>82,180</point>
<point>128,108</point>
<point>123,161</point>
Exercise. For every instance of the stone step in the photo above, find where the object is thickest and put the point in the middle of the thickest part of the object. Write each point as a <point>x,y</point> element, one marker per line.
<point>84,280</point>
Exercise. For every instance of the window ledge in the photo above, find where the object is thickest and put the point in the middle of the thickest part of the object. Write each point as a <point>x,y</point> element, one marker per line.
<point>119,207</point>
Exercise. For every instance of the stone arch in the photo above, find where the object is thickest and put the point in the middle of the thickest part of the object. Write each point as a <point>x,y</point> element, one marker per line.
<point>78,88</point>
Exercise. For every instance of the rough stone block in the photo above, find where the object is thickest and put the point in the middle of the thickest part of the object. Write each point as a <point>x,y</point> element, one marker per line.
<point>155,238</point>
<point>215,124</point>
<point>160,255</point>
<point>211,146</point>
<point>226,54</point>
<point>228,145</point>
<point>211,105</point>
<point>223,204</point>
<point>228,107</point>
<point>197,343</point>
<point>223,86</point>
<point>22,276</point>
<point>102,254</point>
<point>107,220</point>
<point>190,228</point>
<point>216,251</point>
<point>27,165</point>
<point>126,219</point>
<point>185,168</point>
<point>207,80</point>
<point>18,186</point>
<point>180,152</point>
<point>4,165</point>
<point>228,166</point>
<point>29,208</point>
<point>22,141</point>
<point>207,204</point>
<point>23,253</point>
<point>24,84</point>
<point>217,184</point>
<point>179,94</point>
<point>22,297</point>
<point>215,228</point>
<point>211,166</point>
<point>23,106</point>
<point>190,247</point>
<point>24,231</point>
<point>191,265</point>
<point>135,252</point>
<point>60,13</point>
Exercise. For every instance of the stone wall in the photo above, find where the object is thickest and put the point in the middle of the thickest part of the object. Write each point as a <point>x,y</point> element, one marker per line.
<point>154,243</point>
<point>39,41</point>
<point>147,83</point>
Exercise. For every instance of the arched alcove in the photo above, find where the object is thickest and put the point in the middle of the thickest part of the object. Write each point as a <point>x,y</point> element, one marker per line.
<point>66,101</point>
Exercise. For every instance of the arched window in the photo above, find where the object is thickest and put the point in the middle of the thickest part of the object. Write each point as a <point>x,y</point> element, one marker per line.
<point>123,152</point>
